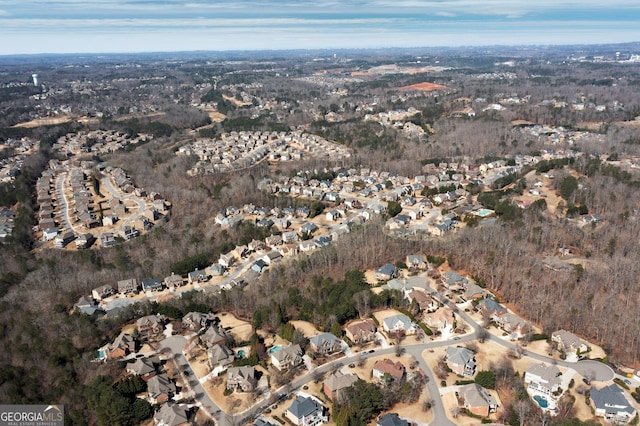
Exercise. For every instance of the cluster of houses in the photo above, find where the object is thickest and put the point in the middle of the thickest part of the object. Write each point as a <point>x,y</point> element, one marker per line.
<point>556,135</point>
<point>238,150</point>
<point>81,209</point>
<point>97,141</point>
<point>7,218</point>
<point>10,165</point>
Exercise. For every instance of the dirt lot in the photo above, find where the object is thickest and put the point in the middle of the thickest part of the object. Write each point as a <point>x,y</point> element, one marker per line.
<point>198,362</point>
<point>425,87</point>
<point>382,315</point>
<point>48,121</point>
<point>242,330</point>
<point>306,328</point>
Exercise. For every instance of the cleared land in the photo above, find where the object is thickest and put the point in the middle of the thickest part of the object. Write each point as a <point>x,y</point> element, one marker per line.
<point>424,87</point>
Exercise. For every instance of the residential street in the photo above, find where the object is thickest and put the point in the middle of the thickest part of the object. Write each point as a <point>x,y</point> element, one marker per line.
<point>597,370</point>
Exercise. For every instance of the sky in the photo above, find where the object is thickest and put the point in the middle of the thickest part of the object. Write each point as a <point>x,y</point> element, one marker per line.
<point>126,26</point>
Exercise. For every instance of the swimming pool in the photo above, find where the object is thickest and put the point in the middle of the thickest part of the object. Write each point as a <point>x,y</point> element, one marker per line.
<point>483,212</point>
<point>241,353</point>
<point>542,402</point>
<point>275,348</point>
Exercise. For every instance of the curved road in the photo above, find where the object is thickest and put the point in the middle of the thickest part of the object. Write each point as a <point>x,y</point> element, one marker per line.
<point>116,193</point>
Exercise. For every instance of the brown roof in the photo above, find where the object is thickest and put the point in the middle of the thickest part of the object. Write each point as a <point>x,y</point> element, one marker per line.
<point>394,369</point>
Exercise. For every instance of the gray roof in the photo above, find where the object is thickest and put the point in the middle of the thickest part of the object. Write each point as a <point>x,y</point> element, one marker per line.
<point>390,322</point>
<point>387,269</point>
<point>549,373</point>
<point>160,384</point>
<point>611,399</point>
<point>303,407</point>
<point>324,338</point>
<point>391,419</point>
<point>460,356</point>
<point>476,396</point>
<point>172,415</point>
<point>142,366</point>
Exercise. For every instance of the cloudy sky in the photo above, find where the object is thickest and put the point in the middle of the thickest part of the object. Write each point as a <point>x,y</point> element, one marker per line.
<point>80,26</point>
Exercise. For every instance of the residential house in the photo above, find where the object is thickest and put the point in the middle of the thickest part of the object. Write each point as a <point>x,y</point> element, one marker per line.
<point>569,343</point>
<point>425,301</point>
<point>308,228</point>
<point>361,331</point>
<point>215,270</point>
<point>213,336</point>
<point>272,257</point>
<point>62,239</point>
<point>152,284</point>
<point>386,272</point>
<point>107,239</point>
<point>454,281</point>
<point>287,357</point>
<point>227,260</point>
<point>220,357</point>
<point>491,309</point>
<point>197,320</point>
<point>477,399</point>
<point>387,368</point>
<point>417,261</point>
<point>102,292</point>
<point>290,237</point>
<point>86,305</point>
<point>392,419</point>
<point>473,291</point>
<point>332,215</point>
<point>399,324</point>
<point>143,367</point>
<point>172,415</point>
<point>336,383</point>
<point>197,276</point>
<point>160,388</point>
<point>124,345</point>
<point>259,266</point>
<point>128,232</point>
<point>173,280</point>
<point>544,380</point>
<point>242,378</point>
<point>461,361</point>
<point>400,285</point>
<point>83,241</point>
<point>265,422</point>
<point>307,245</point>
<point>442,319</point>
<point>151,325</point>
<point>306,411</point>
<point>610,403</point>
<point>325,343</point>
<point>127,286</point>
<point>515,326</point>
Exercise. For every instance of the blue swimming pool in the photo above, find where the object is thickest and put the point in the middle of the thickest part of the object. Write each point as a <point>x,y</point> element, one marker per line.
<point>275,348</point>
<point>542,402</point>
<point>241,353</point>
<point>483,212</point>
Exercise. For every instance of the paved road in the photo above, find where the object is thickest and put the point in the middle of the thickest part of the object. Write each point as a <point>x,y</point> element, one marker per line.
<point>63,203</point>
<point>175,344</point>
<point>115,193</point>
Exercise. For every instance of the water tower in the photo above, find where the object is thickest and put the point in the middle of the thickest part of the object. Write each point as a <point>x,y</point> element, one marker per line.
<point>35,79</point>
